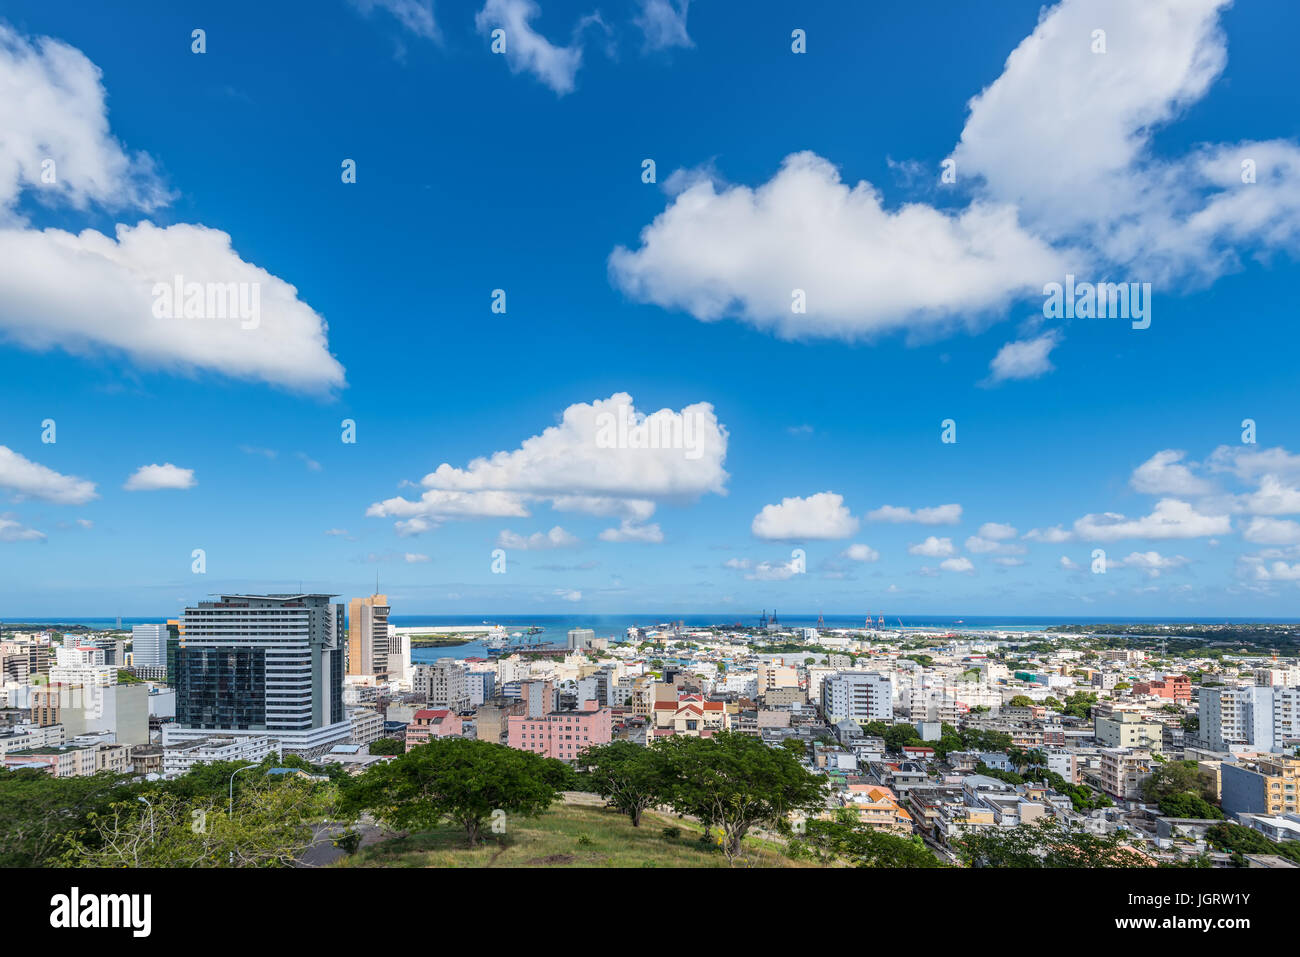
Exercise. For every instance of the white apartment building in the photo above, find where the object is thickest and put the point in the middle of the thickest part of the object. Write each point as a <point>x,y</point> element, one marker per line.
<point>179,758</point>
<point>1264,718</point>
<point>861,696</point>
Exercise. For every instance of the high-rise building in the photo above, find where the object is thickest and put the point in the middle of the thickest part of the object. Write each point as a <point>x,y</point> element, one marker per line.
<point>368,636</point>
<point>252,665</point>
<point>580,637</point>
<point>861,696</point>
<point>1263,718</point>
<point>148,647</point>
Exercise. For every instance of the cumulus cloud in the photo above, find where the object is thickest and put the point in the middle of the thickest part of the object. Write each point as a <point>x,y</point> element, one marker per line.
<point>628,531</point>
<point>1153,563</point>
<point>603,458</point>
<point>820,516</point>
<point>1164,474</point>
<point>1171,518</point>
<point>527,51</point>
<point>997,531</point>
<point>1272,531</point>
<point>960,564</point>
<point>1273,497</point>
<point>86,292</point>
<point>1054,535</point>
<point>151,478</point>
<point>557,537</point>
<point>932,547</point>
<point>1024,359</point>
<point>861,553</point>
<point>938,515</point>
<point>979,545</point>
<point>23,478</point>
<point>722,251</point>
<point>567,594</point>
<point>867,267</point>
<point>12,530</point>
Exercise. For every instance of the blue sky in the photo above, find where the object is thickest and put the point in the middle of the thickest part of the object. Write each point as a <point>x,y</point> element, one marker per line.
<point>522,172</point>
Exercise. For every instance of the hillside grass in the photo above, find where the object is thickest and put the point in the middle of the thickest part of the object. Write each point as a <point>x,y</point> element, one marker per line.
<point>568,835</point>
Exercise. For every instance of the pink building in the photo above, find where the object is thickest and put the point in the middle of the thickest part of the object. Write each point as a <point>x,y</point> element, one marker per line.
<point>560,734</point>
<point>428,723</point>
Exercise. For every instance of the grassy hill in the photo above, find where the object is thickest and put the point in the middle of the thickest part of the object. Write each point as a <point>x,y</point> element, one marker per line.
<point>567,836</point>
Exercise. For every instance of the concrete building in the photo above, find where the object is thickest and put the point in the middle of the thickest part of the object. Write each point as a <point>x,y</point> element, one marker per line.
<point>1244,717</point>
<point>177,759</point>
<point>368,636</point>
<point>861,696</point>
<point>262,665</point>
<point>580,638</point>
<point>149,647</point>
<point>560,734</point>
<point>1268,788</point>
<point>1127,729</point>
<point>1123,770</point>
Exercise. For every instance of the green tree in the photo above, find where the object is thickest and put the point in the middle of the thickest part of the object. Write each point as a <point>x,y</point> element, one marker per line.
<point>39,813</point>
<point>1022,701</point>
<point>271,826</point>
<point>461,780</point>
<point>387,746</point>
<point>735,782</point>
<point>1045,843</point>
<point>628,776</point>
<point>844,837</point>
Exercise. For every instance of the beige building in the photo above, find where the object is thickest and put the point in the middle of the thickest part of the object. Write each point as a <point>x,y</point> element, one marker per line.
<point>1123,770</point>
<point>368,636</point>
<point>1125,729</point>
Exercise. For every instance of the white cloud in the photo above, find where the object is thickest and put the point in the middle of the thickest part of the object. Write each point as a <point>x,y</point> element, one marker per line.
<point>960,564</point>
<point>1069,564</point>
<point>1272,531</point>
<point>932,547</point>
<point>997,531</point>
<point>979,545</point>
<point>567,595</point>
<point>820,516</point>
<point>1025,358</point>
<point>151,478</point>
<point>526,49</point>
<point>1009,562</point>
<point>580,465</point>
<point>415,15</point>
<point>1170,519</point>
<point>1164,474</point>
<point>87,292</point>
<point>27,479</point>
<point>861,553</point>
<point>664,23</point>
<point>1250,464</point>
<point>631,532</point>
<point>719,251</point>
<point>415,558</point>
<point>557,537</point>
<point>938,515</point>
<point>774,571</point>
<point>11,530</point>
<point>1153,563</point>
<point>1053,536</point>
<point>735,251</point>
<point>1273,497</point>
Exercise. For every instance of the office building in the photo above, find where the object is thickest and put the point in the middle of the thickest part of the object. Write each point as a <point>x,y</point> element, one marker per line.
<point>368,636</point>
<point>262,665</point>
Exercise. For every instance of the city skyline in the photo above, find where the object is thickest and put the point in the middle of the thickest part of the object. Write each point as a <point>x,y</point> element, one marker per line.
<point>802,459</point>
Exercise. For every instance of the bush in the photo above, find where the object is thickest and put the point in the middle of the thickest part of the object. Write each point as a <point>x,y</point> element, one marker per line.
<point>672,833</point>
